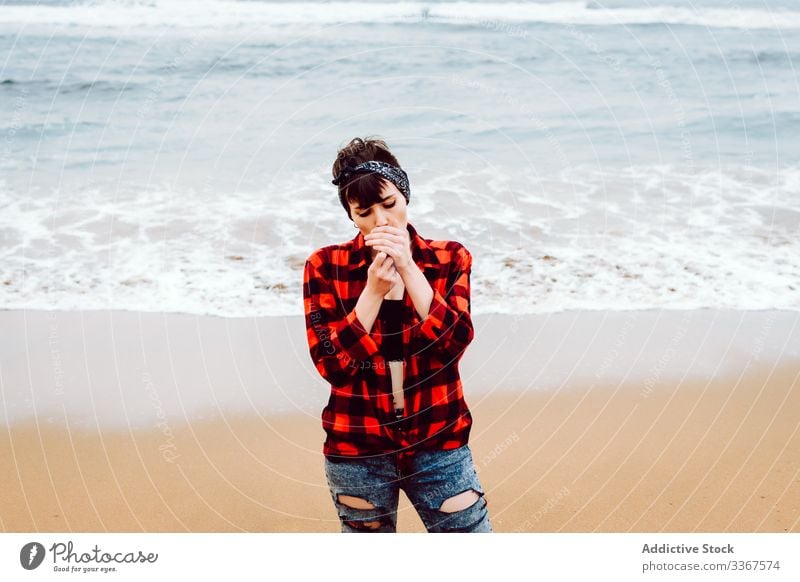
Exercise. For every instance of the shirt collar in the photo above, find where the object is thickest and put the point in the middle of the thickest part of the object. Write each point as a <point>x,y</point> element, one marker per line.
<point>420,249</point>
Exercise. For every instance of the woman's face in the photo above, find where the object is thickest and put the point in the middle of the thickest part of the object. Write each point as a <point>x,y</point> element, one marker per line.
<point>390,212</point>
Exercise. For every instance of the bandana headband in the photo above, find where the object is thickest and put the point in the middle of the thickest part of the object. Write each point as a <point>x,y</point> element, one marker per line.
<point>395,175</point>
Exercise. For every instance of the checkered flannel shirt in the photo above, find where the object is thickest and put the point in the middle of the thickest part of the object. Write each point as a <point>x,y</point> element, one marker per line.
<point>359,419</point>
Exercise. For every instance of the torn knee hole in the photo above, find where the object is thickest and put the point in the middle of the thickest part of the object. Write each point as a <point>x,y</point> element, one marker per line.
<point>359,503</point>
<point>463,500</point>
<point>355,502</point>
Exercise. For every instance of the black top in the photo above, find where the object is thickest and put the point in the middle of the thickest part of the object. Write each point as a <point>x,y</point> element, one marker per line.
<point>391,314</point>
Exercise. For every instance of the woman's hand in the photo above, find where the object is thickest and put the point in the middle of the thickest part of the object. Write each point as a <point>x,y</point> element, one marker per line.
<point>381,275</point>
<point>394,242</point>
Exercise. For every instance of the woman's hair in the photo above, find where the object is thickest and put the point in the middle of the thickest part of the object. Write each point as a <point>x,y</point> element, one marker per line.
<point>363,189</point>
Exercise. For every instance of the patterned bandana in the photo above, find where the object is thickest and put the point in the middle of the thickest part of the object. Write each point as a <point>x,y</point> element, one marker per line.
<point>395,175</point>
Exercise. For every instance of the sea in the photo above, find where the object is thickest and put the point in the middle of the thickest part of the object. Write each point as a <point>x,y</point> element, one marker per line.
<point>175,156</point>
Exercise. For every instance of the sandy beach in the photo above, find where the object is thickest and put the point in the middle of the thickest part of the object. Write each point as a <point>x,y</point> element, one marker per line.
<point>624,174</point>
<point>612,422</point>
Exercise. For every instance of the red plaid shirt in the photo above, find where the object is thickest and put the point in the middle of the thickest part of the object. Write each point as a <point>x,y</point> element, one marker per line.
<point>359,419</point>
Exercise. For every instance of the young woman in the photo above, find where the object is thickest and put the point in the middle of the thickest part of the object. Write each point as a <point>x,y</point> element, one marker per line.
<point>388,319</point>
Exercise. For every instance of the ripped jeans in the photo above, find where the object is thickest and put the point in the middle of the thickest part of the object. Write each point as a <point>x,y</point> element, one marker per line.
<point>429,479</point>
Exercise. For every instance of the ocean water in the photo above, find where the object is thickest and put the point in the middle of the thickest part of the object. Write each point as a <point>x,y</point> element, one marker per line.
<point>164,155</point>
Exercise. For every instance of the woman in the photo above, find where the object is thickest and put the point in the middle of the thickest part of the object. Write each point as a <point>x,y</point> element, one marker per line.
<point>388,319</point>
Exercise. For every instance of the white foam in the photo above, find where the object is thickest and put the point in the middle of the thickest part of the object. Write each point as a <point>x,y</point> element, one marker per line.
<point>687,241</point>
<point>133,16</point>
<point>639,238</point>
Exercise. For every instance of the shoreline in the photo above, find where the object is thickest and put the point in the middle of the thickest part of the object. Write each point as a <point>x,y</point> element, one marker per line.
<point>132,369</point>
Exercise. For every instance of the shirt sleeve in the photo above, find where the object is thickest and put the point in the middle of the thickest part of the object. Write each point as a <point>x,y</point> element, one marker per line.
<point>337,342</point>
<point>447,330</point>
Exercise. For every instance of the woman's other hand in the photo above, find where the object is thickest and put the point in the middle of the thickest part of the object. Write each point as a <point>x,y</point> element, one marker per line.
<point>382,275</point>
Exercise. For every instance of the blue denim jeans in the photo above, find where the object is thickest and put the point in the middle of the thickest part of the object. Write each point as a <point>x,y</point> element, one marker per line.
<point>428,479</point>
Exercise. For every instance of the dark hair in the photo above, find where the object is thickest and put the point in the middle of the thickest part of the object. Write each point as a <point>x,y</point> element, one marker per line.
<point>363,189</point>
